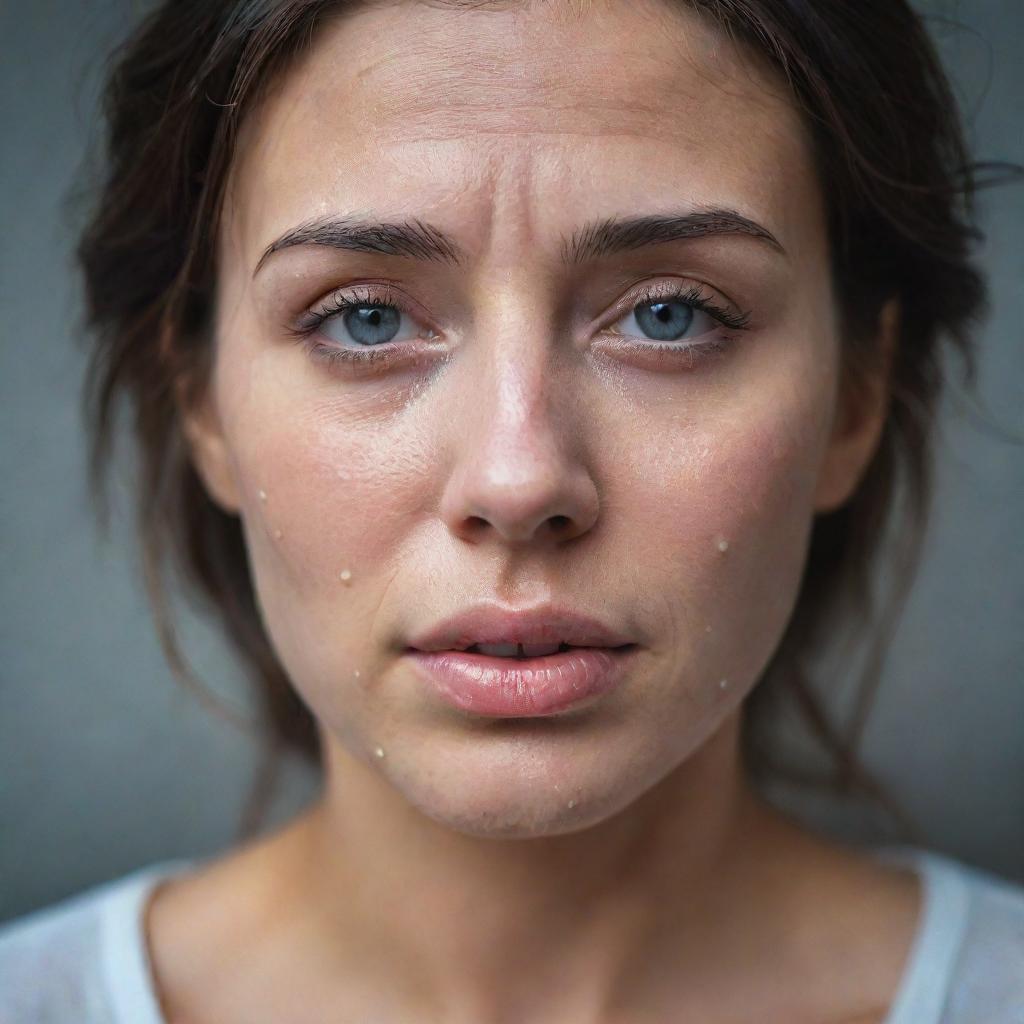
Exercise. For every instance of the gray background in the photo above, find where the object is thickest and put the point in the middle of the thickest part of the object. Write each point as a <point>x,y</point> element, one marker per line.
<point>107,763</point>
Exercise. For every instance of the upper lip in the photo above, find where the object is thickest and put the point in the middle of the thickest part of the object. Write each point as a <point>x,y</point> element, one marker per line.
<point>495,624</point>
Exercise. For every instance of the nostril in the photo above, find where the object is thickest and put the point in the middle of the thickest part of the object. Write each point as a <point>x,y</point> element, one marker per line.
<point>560,523</point>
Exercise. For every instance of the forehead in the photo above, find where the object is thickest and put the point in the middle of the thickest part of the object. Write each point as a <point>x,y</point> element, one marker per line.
<point>558,112</point>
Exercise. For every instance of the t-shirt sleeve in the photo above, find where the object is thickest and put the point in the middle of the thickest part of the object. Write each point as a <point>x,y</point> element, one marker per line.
<point>987,983</point>
<point>49,968</point>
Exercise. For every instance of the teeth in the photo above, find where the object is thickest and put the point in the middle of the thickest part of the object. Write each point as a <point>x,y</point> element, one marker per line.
<point>517,650</point>
<point>538,650</point>
<point>499,650</point>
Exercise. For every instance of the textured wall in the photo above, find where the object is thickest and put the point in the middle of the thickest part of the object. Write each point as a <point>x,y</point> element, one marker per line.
<point>106,763</point>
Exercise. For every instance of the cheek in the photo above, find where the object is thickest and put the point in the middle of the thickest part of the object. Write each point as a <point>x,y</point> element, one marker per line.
<point>328,499</point>
<point>335,498</point>
<point>724,524</point>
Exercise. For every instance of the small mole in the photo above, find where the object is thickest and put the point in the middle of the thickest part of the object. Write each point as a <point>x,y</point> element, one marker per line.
<point>263,495</point>
<point>723,545</point>
<point>379,751</point>
<point>346,575</point>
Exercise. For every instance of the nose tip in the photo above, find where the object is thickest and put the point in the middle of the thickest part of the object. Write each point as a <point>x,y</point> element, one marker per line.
<point>521,489</point>
<point>544,506</point>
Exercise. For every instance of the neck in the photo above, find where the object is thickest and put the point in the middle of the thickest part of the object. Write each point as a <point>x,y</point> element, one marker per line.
<point>548,928</point>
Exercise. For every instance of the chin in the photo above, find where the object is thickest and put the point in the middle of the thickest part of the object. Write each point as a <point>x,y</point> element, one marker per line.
<point>524,797</point>
<point>527,819</point>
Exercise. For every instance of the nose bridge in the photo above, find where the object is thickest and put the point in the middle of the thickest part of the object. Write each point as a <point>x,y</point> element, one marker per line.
<point>518,386</point>
<point>517,470</point>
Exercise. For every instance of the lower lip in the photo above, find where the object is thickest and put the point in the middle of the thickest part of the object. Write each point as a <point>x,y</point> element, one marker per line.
<point>522,687</point>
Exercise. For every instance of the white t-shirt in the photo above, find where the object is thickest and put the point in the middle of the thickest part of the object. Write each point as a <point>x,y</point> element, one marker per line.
<point>84,960</point>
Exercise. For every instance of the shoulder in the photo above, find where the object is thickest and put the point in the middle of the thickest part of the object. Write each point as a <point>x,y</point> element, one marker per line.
<point>967,963</point>
<point>58,963</point>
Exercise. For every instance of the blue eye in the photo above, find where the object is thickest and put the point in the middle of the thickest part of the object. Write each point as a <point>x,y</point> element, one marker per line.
<point>666,319</point>
<point>367,324</point>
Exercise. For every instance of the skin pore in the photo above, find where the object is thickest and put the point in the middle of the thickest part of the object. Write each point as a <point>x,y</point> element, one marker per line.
<point>522,441</point>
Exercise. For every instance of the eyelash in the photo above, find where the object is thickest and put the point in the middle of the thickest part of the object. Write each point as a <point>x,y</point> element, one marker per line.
<point>381,295</point>
<point>337,305</point>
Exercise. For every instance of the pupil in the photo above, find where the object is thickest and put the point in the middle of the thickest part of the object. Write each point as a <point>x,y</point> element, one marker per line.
<point>664,321</point>
<point>373,325</point>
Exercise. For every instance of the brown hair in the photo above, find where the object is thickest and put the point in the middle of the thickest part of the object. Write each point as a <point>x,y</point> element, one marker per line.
<point>898,186</point>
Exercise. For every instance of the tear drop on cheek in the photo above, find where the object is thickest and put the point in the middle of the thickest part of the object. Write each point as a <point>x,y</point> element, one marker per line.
<point>262,495</point>
<point>723,684</point>
<point>355,675</point>
<point>345,575</point>
<point>723,545</point>
<point>379,752</point>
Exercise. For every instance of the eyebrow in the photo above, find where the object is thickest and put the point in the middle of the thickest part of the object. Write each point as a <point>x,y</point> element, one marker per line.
<point>605,237</point>
<point>415,239</point>
<point>412,239</point>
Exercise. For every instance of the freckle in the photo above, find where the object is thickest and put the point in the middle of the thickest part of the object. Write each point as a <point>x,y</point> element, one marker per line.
<point>723,545</point>
<point>379,751</point>
<point>263,495</point>
<point>345,575</point>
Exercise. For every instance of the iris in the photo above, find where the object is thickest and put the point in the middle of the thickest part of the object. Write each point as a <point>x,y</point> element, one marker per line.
<point>664,321</point>
<point>373,325</point>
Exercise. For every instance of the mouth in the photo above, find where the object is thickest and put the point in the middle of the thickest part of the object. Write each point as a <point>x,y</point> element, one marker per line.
<point>520,662</point>
<point>520,681</point>
<point>521,652</point>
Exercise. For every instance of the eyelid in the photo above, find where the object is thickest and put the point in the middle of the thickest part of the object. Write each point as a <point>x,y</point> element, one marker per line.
<point>651,290</point>
<point>726,318</point>
<point>383,293</point>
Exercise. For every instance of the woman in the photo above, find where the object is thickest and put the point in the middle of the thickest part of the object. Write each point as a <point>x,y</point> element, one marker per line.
<point>524,384</point>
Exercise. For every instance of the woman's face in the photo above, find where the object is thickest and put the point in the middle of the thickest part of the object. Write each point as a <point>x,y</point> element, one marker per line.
<point>539,420</point>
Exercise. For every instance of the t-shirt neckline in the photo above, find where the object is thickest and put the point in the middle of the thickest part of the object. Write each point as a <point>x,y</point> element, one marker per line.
<point>129,978</point>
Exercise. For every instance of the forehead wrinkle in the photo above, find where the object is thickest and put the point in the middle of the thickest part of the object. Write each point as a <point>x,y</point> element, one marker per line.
<point>534,56</point>
<point>447,92</point>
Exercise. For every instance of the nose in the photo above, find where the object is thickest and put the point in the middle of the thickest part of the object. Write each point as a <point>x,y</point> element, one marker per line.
<point>519,473</point>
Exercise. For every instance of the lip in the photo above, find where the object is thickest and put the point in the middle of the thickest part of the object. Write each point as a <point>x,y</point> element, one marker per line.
<point>495,624</point>
<point>484,684</point>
